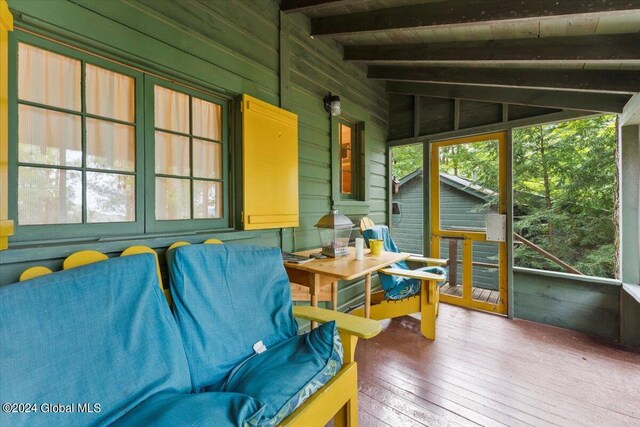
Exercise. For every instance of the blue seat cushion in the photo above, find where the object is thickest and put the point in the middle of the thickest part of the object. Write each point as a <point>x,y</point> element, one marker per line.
<point>284,376</point>
<point>195,410</point>
<point>227,298</point>
<point>98,334</point>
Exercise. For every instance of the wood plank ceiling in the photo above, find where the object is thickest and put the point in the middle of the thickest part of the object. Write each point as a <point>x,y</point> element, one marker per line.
<point>579,54</point>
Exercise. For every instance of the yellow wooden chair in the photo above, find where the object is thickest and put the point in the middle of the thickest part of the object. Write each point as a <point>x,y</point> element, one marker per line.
<point>425,303</point>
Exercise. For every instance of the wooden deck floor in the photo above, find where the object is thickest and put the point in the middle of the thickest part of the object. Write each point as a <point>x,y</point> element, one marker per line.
<point>479,294</point>
<point>487,370</point>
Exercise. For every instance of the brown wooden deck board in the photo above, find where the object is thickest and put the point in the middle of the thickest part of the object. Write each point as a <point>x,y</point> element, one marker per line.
<point>485,369</point>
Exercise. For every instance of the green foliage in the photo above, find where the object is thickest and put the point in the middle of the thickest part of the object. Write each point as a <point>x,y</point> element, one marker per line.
<point>564,185</point>
<point>406,159</point>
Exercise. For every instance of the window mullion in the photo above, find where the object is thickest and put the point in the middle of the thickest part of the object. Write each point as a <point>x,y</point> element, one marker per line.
<point>83,138</point>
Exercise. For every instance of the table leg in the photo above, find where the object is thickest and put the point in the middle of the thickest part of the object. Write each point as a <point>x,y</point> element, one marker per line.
<point>314,290</point>
<point>334,296</point>
<point>367,295</point>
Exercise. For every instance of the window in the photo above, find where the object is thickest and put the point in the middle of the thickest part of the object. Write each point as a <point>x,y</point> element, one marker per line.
<point>188,156</point>
<point>349,161</point>
<point>76,141</point>
<point>102,148</point>
<point>347,139</point>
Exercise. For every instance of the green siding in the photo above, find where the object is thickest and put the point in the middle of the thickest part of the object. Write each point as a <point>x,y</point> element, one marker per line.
<point>230,47</point>
<point>581,303</point>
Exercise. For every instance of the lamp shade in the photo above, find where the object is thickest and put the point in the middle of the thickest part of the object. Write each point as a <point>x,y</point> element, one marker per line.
<point>334,220</point>
<point>335,231</point>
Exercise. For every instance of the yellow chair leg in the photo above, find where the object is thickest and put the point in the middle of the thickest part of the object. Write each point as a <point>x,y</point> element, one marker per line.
<point>428,309</point>
<point>347,416</point>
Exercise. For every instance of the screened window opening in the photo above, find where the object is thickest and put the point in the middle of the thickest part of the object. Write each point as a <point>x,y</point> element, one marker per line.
<point>188,156</point>
<point>76,141</point>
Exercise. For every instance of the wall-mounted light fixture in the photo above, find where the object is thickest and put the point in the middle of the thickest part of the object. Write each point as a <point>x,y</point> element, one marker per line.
<point>332,104</point>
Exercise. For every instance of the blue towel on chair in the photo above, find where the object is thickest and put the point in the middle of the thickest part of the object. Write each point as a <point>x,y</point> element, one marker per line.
<point>397,287</point>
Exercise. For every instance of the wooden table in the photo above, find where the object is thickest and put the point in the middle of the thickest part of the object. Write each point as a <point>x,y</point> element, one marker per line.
<point>318,272</point>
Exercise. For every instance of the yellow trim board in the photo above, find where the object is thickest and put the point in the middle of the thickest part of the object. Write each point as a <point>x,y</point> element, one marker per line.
<point>6,225</point>
<point>6,18</point>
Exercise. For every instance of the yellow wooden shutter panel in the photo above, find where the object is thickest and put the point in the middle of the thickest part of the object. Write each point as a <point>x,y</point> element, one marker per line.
<point>269,165</point>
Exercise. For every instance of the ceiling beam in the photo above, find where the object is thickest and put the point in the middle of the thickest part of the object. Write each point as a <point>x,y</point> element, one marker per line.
<point>291,6</point>
<point>618,47</point>
<point>621,81</point>
<point>587,101</point>
<point>462,12</point>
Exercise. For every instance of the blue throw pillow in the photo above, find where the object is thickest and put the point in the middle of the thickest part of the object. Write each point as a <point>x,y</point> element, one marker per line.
<point>195,410</point>
<point>284,376</point>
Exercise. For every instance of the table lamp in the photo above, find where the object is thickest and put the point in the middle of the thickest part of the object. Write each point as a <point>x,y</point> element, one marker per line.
<point>334,230</point>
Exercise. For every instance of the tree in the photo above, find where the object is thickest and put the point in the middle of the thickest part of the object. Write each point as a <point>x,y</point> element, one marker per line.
<point>406,159</point>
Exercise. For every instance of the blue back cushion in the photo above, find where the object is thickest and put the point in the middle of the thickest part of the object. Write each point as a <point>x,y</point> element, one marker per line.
<point>227,298</point>
<point>101,333</point>
<point>381,232</point>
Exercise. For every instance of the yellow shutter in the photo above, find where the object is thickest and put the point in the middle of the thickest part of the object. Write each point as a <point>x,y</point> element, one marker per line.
<point>269,166</point>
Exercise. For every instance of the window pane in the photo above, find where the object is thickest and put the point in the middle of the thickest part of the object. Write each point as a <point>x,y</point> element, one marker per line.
<point>109,94</point>
<point>110,145</point>
<point>345,183</point>
<point>346,165</point>
<point>172,198</point>
<point>207,159</point>
<point>172,154</point>
<point>49,196</point>
<point>345,159</point>
<point>207,199</point>
<point>171,110</point>
<point>207,119</point>
<point>49,137</point>
<point>48,78</point>
<point>110,197</point>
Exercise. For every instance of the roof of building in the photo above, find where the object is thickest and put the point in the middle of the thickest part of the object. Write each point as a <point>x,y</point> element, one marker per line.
<point>457,182</point>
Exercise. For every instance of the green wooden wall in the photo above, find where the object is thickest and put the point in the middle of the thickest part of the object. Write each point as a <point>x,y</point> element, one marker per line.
<point>230,47</point>
<point>585,304</point>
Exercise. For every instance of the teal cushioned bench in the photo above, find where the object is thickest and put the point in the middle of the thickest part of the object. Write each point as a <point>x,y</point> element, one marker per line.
<point>102,335</point>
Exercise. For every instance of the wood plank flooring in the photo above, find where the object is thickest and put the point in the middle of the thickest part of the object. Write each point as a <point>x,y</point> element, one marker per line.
<point>479,294</point>
<point>487,370</point>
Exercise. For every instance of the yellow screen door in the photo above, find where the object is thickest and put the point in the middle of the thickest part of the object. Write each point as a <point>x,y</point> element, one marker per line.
<point>468,219</point>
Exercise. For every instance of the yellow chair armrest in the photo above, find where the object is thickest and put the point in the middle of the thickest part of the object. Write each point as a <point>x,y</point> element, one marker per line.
<point>352,325</point>
<point>425,260</point>
<point>414,274</point>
